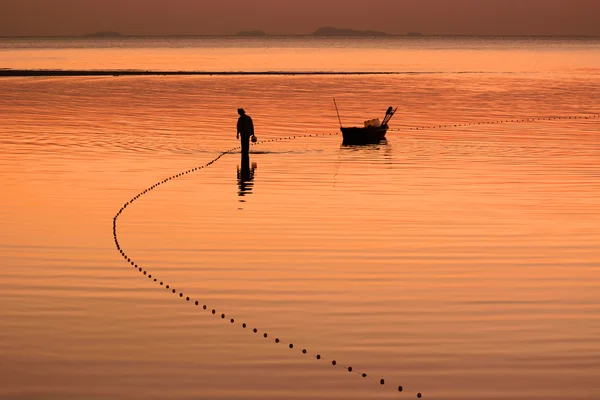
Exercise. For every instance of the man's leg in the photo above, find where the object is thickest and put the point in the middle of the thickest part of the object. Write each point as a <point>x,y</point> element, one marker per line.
<point>245,145</point>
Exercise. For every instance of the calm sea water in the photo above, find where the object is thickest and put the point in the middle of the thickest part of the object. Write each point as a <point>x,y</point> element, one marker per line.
<point>460,263</point>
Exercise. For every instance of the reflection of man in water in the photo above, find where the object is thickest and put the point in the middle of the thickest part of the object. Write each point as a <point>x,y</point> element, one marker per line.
<point>245,176</point>
<point>245,127</point>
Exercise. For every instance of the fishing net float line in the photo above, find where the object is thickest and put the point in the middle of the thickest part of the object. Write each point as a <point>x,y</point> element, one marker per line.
<point>223,316</point>
<point>504,121</point>
<point>205,307</point>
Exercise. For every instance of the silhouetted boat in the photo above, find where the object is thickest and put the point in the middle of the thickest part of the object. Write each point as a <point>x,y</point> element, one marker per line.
<point>373,132</point>
<point>366,135</point>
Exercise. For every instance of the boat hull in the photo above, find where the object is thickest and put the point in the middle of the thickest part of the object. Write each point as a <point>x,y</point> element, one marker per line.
<point>366,135</point>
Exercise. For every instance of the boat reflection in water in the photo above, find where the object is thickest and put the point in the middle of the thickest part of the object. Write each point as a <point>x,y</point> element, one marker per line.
<point>245,177</point>
<point>379,153</point>
<point>382,144</point>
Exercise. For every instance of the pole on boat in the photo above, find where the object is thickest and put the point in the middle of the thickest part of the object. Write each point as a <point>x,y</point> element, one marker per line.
<point>388,115</point>
<point>338,112</point>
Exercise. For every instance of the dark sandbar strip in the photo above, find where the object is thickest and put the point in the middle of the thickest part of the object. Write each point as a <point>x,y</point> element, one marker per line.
<point>58,72</point>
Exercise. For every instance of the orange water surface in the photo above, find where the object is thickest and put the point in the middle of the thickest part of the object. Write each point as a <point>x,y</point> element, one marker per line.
<point>461,263</point>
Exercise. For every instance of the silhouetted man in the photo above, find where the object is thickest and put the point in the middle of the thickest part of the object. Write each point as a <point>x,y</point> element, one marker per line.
<point>245,127</point>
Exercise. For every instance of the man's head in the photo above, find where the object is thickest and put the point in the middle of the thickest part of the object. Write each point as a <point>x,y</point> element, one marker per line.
<point>241,111</point>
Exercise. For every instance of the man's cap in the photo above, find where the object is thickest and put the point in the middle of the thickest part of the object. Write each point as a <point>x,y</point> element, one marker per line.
<point>241,111</point>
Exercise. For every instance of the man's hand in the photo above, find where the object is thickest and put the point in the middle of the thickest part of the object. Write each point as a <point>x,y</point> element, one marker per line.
<point>237,136</point>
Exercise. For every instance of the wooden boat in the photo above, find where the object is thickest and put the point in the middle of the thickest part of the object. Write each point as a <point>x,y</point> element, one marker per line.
<point>373,131</point>
<point>366,135</point>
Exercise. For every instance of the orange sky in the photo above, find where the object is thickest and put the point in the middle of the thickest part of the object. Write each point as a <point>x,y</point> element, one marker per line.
<point>511,17</point>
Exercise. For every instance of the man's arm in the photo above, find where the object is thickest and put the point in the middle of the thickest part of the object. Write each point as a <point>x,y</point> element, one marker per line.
<point>238,129</point>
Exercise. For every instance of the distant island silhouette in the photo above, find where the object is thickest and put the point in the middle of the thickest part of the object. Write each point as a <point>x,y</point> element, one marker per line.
<point>251,33</point>
<point>329,31</point>
<point>104,34</point>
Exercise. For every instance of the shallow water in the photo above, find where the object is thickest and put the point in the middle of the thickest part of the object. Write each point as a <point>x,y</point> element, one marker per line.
<point>461,263</point>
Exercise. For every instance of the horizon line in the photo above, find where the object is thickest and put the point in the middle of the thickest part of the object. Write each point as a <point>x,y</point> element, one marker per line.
<point>236,35</point>
<point>13,73</point>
